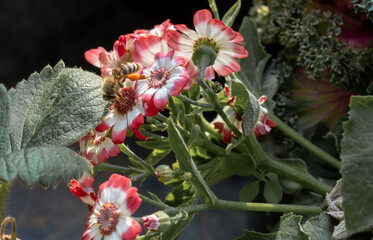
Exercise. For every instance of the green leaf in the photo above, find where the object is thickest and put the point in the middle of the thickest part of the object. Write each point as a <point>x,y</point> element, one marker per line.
<point>247,106</point>
<point>272,191</point>
<point>186,162</point>
<point>46,165</point>
<point>290,228</point>
<point>253,66</point>
<point>319,227</point>
<point>249,192</point>
<point>157,144</point>
<point>57,106</point>
<point>231,14</point>
<point>184,192</point>
<point>4,119</point>
<point>157,155</point>
<point>357,165</point>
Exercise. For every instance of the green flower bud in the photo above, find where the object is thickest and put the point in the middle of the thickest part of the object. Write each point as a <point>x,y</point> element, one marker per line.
<point>159,221</point>
<point>163,173</point>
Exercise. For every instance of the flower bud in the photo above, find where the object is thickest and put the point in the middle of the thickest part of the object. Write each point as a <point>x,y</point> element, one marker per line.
<point>159,221</point>
<point>163,173</point>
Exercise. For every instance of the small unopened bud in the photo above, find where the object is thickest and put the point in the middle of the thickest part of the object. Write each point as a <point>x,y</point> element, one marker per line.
<point>159,221</point>
<point>163,173</point>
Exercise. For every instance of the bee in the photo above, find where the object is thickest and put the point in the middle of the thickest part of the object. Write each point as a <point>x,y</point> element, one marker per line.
<point>112,84</point>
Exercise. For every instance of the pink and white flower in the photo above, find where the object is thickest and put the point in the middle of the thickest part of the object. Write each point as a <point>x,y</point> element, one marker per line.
<point>166,76</point>
<point>147,47</point>
<point>126,111</point>
<point>110,216</point>
<point>97,147</point>
<point>264,124</point>
<point>83,189</point>
<point>107,61</point>
<point>216,34</point>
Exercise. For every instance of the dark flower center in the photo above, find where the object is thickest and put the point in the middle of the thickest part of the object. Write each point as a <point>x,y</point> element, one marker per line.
<point>107,218</point>
<point>158,77</point>
<point>125,100</point>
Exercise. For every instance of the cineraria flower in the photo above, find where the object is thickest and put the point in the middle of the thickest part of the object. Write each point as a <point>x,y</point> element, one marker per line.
<point>222,128</point>
<point>110,216</point>
<point>83,190</point>
<point>264,124</point>
<point>107,61</point>
<point>166,76</point>
<point>97,147</point>
<point>147,47</point>
<point>215,34</point>
<point>126,111</point>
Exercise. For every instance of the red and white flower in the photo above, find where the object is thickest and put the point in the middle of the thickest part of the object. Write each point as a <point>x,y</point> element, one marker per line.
<point>166,76</point>
<point>110,216</point>
<point>97,147</point>
<point>126,111</point>
<point>83,189</point>
<point>216,34</point>
<point>107,61</point>
<point>264,124</point>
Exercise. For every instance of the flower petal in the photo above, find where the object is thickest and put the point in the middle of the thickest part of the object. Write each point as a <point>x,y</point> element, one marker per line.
<point>160,98</point>
<point>93,56</point>
<point>200,20</point>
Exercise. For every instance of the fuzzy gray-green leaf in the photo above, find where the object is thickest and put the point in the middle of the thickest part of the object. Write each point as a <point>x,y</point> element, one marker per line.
<point>57,106</point>
<point>4,119</point>
<point>357,165</point>
<point>46,165</point>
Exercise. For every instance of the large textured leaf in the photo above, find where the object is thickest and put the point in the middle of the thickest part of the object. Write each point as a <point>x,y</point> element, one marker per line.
<point>57,106</point>
<point>4,119</point>
<point>253,66</point>
<point>357,165</point>
<point>290,228</point>
<point>46,165</point>
<point>319,227</point>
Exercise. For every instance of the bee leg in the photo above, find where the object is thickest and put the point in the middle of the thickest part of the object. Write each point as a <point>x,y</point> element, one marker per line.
<point>135,76</point>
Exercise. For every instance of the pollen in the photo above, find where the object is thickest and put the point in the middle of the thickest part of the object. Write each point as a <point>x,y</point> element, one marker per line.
<point>107,219</point>
<point>158,77</point>
<point>125,100</point>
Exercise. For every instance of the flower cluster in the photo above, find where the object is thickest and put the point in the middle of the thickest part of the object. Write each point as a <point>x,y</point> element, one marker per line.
<point>162,66</point>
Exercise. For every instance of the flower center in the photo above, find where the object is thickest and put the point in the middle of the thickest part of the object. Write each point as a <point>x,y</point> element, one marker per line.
<point>107,218</point>
<point>206,41</point>
<point>158,77</point>
<point>97,139</point>
<point>125,100</point>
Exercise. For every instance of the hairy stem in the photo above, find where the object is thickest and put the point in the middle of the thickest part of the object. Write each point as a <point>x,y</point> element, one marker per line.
<point>3,191</point>
<point>324,156</point>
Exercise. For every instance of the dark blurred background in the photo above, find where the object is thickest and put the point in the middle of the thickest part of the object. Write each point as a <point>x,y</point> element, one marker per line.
<point>37,33</point>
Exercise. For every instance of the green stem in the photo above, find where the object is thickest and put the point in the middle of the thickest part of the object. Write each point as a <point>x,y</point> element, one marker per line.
<point>124,149</point>
<point>304,142</point>
<point>159,204</point>
<point>196,103</point>
<point>141,176</point>
<point>114,168</point>
<point>3,191</point>
<point>307,181</point>
<point>247,206</point>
